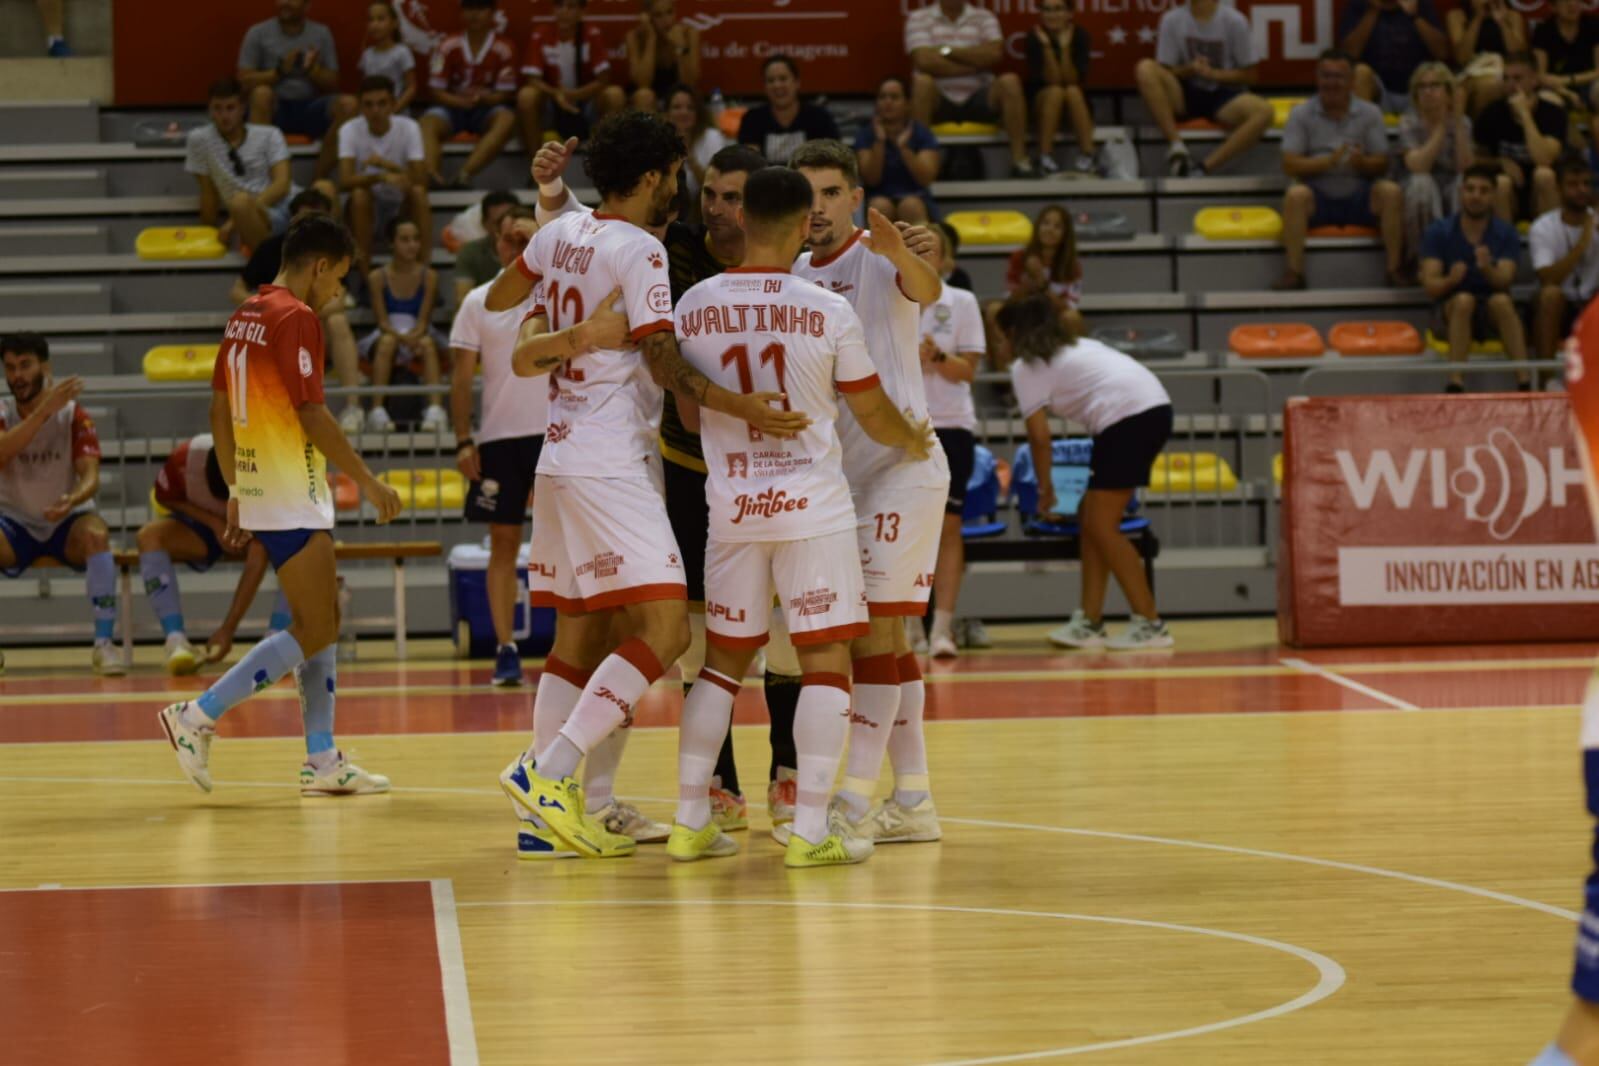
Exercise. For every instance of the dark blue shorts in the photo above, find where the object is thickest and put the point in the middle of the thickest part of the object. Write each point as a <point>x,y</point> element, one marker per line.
<point>213,547</point>
<point>1204,103</point>
<point>1343,210</point>
<point>1585,973</point>
<point>307,118</point>
<point>284,544</point>
<point>27,548</point>
<point>465,119</point>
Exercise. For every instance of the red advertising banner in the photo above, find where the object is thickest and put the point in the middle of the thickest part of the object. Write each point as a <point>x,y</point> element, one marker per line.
<point>168,51</point>
<point>1434,520</point>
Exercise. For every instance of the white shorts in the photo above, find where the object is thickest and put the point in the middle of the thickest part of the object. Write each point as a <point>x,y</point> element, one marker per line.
<point>817,581</point>
<point>601,542</point>
<point>897,534</point>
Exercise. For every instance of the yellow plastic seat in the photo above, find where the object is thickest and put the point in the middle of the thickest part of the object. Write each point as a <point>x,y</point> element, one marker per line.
<point>965,129</point>
<point>1279,340</point>
<point>1277,469</point>
<point>1191,472</point>
<point>991,227</point>
<point>1491,346</point>
<point>427,490</point>
<point>179,242</point>
<point>1280,106</point>
<point>156,508</point>
<point>1238,224</point>
<point>177,362</point>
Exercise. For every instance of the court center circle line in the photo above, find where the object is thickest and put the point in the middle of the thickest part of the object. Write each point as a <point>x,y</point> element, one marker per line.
<point>1330,975</point>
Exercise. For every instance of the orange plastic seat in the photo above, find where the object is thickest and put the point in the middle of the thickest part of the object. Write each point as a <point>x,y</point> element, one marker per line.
<point>296,138</point>
<point>730,120</point>
<point>1198,124</point>
<point>1342,231</point>
<point>1275,340</point>
<point>1375,338</point>
<point>464,137</point>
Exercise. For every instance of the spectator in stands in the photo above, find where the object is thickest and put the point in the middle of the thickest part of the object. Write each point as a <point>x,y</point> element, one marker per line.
<point>52,13</point>
<point>241,168</point>
<point>290,67</point>
<point>1058,51</point>
<point>957,275</point>
<point>568,74</point>
<point>778,127</point>
<point>952,347</point>
<point>1129,414</point>
<point>1335,148</point>
<point>1390,40</point>
<point>1565,256</point>
<point>263,266</point>
<point>404,294</point>
<point>472,82</point>
<point>1204,62</point>
<point>1484,34</point>
<point>382,167</point>
<point>692,119</point>
<point>1524,135</point>
<point>1567,50</point>
<point>1435,147</point>
<point>1046,264</point>
<point>477,261</point>
<point>954,47</point>
<point>898,158</point>
<point>386,56</point>
<point>1468,262</point>
<point>662,53</point>
<point>49,474</point>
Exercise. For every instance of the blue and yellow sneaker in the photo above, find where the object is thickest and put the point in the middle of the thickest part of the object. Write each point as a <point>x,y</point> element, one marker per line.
<point>559,805</point>
<point>687,845</point>
<point>534,842</point>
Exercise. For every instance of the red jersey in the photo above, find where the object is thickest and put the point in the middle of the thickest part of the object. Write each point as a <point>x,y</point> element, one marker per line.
<point>566,64</point>
<point>182,478</point>
<point>455,68</point>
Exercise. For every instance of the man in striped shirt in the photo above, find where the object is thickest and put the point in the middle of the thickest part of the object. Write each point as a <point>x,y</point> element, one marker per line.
<point>954,47</point>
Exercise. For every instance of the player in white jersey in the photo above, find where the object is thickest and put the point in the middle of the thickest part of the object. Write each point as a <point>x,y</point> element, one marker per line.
<point>780,513</point>
<point>899,499</point>
<point>602,542</point>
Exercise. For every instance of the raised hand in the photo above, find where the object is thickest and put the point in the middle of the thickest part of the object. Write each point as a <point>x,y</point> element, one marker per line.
<point>885,239</point>
<point>60,394</point>
<point>551,160</point>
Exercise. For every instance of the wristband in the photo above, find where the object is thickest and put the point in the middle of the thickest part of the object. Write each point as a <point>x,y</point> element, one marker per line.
<point>464,442</point>
<point>553,189</point>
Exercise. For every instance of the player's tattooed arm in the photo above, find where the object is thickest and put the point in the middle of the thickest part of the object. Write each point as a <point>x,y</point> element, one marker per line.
<point>672,371</point>
<point>538,351</point>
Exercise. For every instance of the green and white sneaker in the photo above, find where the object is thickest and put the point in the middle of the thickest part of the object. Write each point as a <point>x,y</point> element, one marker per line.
<point>892,823</point>
<point>1142,634</point>
<point>627,820</point>
<point>343,778</point>
<point>1079,633</point>
<point>193,746</point>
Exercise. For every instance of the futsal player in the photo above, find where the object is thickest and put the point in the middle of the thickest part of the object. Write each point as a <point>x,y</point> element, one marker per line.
<point>602,542</point>
<point>899,497</point>
<point>780,514</point>
<point>273,436</point>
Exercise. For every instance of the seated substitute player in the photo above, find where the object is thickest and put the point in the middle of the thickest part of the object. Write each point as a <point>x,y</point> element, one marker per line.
<point>780,514</point>
<point>191,486</point>
<point>49,474</point>
<point>899,498</point>
<point>274,437</point>
<point>602,542</point>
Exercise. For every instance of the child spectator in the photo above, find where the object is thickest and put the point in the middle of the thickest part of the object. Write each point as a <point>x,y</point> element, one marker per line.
<point>404,294</point>
<point>662,53</point>
<point>898,158</point>
<point>386,56</point>
<point>472,80</point>
<point>1058,51</point>
<point>1047,265</point>
<point>568,78</point>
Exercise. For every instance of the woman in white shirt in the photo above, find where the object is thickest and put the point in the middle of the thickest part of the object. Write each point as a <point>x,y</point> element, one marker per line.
<point>1129,415</point>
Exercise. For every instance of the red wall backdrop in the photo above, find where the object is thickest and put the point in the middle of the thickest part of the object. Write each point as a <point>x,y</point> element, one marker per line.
<point>168,51</point>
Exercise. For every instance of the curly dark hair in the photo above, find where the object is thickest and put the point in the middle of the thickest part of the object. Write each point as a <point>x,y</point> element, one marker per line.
<point>628,144</point>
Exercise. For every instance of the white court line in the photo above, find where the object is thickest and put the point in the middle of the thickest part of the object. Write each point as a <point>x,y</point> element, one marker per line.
<point>452,968</point>
<point>1330,975</point>
<point>1355,686</point>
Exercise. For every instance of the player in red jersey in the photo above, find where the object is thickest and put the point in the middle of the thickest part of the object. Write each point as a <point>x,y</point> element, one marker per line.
<point>273,436</point>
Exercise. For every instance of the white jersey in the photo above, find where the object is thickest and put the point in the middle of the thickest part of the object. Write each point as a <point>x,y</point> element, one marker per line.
<point>892,323</point>
<point>1088,382</point>
<point>604,406</point>
<point>955,323</point>
<point>512,406</point>
<point>764,330</point>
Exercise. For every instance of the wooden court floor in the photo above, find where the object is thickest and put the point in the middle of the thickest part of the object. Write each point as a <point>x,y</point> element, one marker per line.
<point>1235,853</point>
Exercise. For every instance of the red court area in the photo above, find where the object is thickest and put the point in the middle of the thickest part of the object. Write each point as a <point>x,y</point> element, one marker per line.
<point>238,974</point>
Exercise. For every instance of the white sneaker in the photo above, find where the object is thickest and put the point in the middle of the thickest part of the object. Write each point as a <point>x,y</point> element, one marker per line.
<point>942,645</point>
<point>627,820</point>
<point>193,746</point>
<point>891,823</point>
<point>1079,633</point>
<point>353,419</point>
<point>434,418</point>
<point>343,778</point>
<point>108,660</point>
<point>378,421</point>
<point>976,634</point>
<point>1141,634</point>
<point>916,635</point>
<point>182,659</point>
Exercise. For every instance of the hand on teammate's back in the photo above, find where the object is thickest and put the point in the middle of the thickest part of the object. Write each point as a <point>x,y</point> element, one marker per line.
<point>607,326</point>
<point>382,497</point>
<point>771,420</point>
<point>884,237</point>
<point>921,242</point>
<point>60,394</point>
<point>921,445</point>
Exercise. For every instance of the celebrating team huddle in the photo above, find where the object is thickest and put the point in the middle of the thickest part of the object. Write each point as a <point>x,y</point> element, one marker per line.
<point>824,490</point>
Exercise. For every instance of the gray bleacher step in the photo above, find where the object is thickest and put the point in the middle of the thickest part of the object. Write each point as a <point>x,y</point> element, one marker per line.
<point>53,239</point>
<point>49,122</point>
<point>19,183</point>
<point>86,358</point>
<point>55,298</point>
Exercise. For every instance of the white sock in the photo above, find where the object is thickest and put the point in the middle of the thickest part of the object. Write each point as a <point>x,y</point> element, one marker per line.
<point>323,761</point>
<point>607,703</point>
<point>875,705</point>
<point>559,687</point>
<point>907,749</point>
<point>943,622</point>
<point>706,713</point>
<point>821,722</point>
<point>599,770</point>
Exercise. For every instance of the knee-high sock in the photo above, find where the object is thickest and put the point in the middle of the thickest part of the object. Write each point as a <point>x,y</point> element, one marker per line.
<point>821,723</point>
<point>907,749</point>
<point>706,714</point>
<point>876,704</point>
<point>281,618</point>
<point>102,580</point>
<point>559,687</point>
<point>317,678</point>
<point>267,661</point>
<point>599,769</point>
<point>161,585</point>
<point>607,702</point>
<point>782,698</point>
